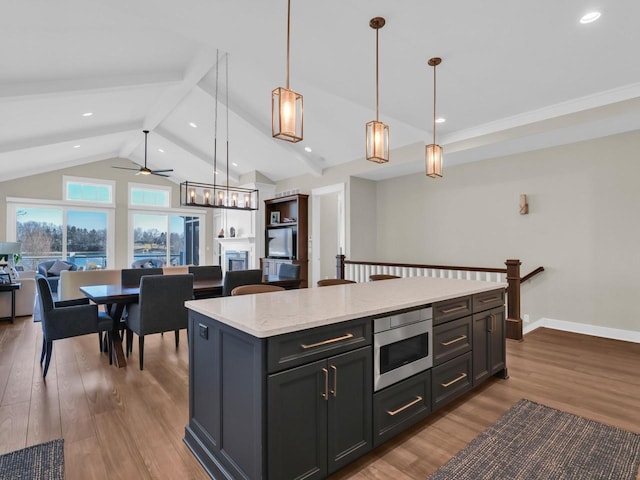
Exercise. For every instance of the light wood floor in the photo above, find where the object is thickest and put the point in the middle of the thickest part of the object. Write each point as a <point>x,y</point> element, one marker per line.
<point>124,423</point>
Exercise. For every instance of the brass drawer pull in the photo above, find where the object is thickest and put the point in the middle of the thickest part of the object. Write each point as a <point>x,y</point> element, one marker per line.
<point>327,342</point>
<point>455,380</point>
<point>403,408</point>
<point>325,394</point>
<point>451,342</point>
<point>454,309</point>
<point>492,299</point>
<point>491,327</point>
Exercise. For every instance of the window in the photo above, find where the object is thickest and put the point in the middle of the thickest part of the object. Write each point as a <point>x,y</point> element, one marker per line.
<point>79,235</point>
<point>147,196</point>
<point>150,234</point>
<point>88,190</point>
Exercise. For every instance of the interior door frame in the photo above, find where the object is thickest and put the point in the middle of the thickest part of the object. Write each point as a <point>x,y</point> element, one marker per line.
<point>316,227</point>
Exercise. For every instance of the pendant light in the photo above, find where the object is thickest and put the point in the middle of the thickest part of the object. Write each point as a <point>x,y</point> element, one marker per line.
<point>433,152</point>
<point>216,195</point>
<point>377,132</point>
<point>286,105</point>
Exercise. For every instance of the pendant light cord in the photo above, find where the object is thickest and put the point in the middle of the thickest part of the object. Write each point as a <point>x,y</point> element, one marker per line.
<point>434,104</point>
<point>215,129</point>
<point>377,97</point>
<point>288,35</point>
<point>227,112</point>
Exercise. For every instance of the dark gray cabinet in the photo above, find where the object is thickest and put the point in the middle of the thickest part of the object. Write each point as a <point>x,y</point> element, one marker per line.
<point>488,344</point>
<point>320,416</point>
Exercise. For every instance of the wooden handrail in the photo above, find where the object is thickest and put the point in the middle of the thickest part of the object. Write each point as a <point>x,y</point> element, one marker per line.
<point>435,267</point>
<point>512,273</point>
<point>532,274</point>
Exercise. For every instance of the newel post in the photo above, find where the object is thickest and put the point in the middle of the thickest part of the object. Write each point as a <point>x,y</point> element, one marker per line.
<point>340,266</point>
<point>514,322</point>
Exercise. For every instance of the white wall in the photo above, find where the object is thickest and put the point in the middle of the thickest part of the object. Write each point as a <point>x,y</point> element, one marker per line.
<point>584,204</point>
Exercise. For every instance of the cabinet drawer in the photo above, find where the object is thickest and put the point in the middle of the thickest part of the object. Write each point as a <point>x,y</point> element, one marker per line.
<point>451,309</point>
<point>450,380</point>
<point>293,349</point>
<point>451,339</point>
<point>488,300</point>
<point>400,406</point>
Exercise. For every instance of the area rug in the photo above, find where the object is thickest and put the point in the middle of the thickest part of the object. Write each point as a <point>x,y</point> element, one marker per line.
<point>533,441</point>
<point>39,462</point>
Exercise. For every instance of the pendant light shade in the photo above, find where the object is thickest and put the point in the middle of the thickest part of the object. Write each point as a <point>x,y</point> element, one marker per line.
<point>433,152</point>
<point>286,105</point>
<point>377,132</point>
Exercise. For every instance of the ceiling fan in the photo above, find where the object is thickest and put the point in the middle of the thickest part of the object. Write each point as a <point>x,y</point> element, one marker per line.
<point>144,170</point>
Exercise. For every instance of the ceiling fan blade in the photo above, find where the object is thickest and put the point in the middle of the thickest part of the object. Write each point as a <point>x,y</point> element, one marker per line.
<point>159,174</point>
<point>161,171</point>
<point>125,168</point>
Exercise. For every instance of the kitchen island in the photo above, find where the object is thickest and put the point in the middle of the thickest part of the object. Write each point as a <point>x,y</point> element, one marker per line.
<point>281,384</point>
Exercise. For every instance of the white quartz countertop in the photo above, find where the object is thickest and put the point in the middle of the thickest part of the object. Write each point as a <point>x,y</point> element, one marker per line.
<point>268,314</point>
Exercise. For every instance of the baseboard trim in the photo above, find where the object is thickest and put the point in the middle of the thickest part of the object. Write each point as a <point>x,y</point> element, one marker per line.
<point>594,330</point>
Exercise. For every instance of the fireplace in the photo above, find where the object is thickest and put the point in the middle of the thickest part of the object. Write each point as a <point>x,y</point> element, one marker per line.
<point>236,259</point>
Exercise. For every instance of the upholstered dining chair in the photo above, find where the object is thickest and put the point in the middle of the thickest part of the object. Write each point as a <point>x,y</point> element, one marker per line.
<point>382,276</point>
<point>160,308</point>
<point>235,278</point>
<point>259,288</point>
<point>206,272</point>
<point>130,277</point>
<point>289,270</point>
<point>325,282</point>
<point>67,318</point>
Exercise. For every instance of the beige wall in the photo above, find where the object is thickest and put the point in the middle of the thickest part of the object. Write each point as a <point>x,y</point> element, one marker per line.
<point>48,186</point>
<point>582,227</point>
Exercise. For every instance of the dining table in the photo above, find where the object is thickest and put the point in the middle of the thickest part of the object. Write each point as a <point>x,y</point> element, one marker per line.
<point>115,298</point>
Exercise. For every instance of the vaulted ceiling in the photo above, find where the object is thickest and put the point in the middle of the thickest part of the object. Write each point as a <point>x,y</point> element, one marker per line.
<point>516,76</point>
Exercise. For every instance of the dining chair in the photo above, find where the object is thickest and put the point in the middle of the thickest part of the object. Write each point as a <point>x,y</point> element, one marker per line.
<point>235,278</point>
<point>206,272</point>
<point>289,270</point>
<point>130,277</point>
<point>382,276</point>
<point>160,308</point>
<point>259,288</point>
<point>67,318</point>
<point>325,282</point>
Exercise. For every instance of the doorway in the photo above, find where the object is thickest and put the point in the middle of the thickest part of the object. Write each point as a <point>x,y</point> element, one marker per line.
<point>328,230</point>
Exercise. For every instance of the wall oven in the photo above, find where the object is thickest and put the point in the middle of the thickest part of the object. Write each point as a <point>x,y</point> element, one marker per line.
<point>402,346</point>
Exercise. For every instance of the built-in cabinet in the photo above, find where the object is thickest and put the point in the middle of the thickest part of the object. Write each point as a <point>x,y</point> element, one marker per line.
<point>286,234</point>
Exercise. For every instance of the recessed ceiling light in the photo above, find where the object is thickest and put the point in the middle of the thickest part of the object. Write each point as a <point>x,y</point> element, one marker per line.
<point>441,120</point>
<point>87,114</point>
<point>161,150</point>
<point>234,164</point>
<point>590,17</point>
<point>308,149</point>
<point>76,146</point>
<point>191,124</point>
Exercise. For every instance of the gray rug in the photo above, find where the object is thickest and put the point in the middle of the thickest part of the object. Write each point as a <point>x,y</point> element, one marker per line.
<point>39,462</point>
<point>532,441</point>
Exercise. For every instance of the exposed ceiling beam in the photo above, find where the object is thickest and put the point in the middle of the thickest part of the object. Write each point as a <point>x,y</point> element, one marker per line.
<point>68,136</point>
<point>242,112</point>
<point>202,156</point>
<point>18,92</point>
<point>201,64</point>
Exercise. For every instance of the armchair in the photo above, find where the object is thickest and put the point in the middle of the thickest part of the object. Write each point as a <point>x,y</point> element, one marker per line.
<point>160,308</point>
<point>66,319</point>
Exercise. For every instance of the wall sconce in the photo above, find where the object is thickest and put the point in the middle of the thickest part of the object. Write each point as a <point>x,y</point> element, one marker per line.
<point>524,206</point>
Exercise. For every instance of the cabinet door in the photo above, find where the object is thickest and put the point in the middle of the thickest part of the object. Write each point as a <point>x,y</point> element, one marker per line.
<point>497,351</point>
<point>481,323</point>
<point>297,422</point>
<point>350,416</point>
<point>488,344</point>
